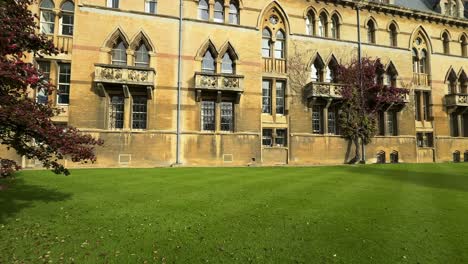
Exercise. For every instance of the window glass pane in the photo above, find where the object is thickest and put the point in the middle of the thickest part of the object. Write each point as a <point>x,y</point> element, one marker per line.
<point>116,112</point>
<point>280,94</point>
<point>266,95</point>
<point>267,137</point>
<point>317,119</point>
<point>42,95</point>
<point>227,65</point>
<point>233,13</point>
<point>208,63</point>
<point>279,47</point>
<point>115,3</point>
<point>67,24</point>
<point>331,121</point>
<point>227,119</point>
<point>142,56</point>
<point>281,138</point>
<point>151,6</point>
<point>48,4</point>
<point>119,54</point>
<point>208,115</point>
<point>68,6</point>
<point>64,83</point>
<point>47,22</point>
<point>219,11</point>
<point>266,48</point>
<point>139,113</point>
<point>203,10</point>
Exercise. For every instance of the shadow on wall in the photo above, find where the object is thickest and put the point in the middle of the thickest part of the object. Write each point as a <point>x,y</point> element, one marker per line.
<point>432,177</point>
<point>18,195</point>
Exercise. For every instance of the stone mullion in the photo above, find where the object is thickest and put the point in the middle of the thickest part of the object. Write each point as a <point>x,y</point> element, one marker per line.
<point>226,11</point>
<point>211,10</point>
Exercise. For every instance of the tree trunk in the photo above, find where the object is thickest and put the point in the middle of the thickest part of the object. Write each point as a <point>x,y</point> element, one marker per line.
<point>357,155</point>
<point>363,150</point>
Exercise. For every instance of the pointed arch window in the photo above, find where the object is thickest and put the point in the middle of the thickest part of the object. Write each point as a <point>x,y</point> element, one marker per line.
<point>423,62</point>
<point>371,31</point>
<point>446,43</point>
<point>227,65</point>
<point>208,63</point>
<point>463,82</point>
<point>335,27</point>
<point>67,19</point>
<point>234,12</point>
<point>47,17</point>
<point>142,58</point>
<point>322,25</point>
<point>266,42</point>
<point>317,69</point>
<point>415,60</point>
<point>203,10</point>
<point>393,35</point>
<point>310,23</point>
<point>119,54</point>
<point>279,45</point>
<point>219,11</point>
<point>463,46</point>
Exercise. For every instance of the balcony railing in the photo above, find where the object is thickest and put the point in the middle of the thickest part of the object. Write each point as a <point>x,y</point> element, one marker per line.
<point>119,74</point>
<point>456,100</point>
<point>421,79</point>
<point>219,82</point>
<point>321,89</point>
<point>274,65</point>
<point>63,43</point>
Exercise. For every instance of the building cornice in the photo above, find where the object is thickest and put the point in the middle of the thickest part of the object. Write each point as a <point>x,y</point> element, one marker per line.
<point>394,10</point>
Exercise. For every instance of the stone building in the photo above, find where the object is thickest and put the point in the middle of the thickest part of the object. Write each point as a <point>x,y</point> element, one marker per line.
<point>215,86</point>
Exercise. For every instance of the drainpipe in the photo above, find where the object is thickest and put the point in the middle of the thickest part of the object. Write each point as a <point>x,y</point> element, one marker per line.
<point>179,82</point>
<point>358,12</point>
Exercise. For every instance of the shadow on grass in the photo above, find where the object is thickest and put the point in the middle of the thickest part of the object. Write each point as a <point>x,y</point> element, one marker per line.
<point>19,195</point>
<point>432,177</point>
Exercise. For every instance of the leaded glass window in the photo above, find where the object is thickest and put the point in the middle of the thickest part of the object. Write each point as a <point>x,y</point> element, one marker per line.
<point>203,10</point>
<point>267,137</point>
<point>280,96</point>
<point>208,115</point>
<point>139,113</point>
<point>219,11</point>
<point>119,54</point>
<point>116,112</point>
<point>227,116</point>
<point>266,95</point>
<point>142,56</point>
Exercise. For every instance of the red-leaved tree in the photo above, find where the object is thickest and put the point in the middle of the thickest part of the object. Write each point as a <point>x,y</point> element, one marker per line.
<point>26,125</point>
<point>364,96</point>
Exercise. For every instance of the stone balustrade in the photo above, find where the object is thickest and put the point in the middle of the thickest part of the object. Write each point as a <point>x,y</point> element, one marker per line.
<point>119,74</point>
<point>456,100</point>
<point>219,82</point>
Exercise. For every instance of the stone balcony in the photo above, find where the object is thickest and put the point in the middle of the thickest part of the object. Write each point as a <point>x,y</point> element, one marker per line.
<point>219,83</point>
<point>323,90</point>
<point>421,79</point>
<point>125,75</point>
<point>63,43</point>
<point>456,100</point>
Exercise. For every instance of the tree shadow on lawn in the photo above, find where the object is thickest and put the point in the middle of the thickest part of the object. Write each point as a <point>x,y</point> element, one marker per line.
<point>440,179</point>
<point>19,195</point>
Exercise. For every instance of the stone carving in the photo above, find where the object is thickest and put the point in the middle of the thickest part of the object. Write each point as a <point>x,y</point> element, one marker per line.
<point>463,99</point>
<point>231,82</point>
<point>123,75</point>
<point>208,81</point>
<point>218,82</point>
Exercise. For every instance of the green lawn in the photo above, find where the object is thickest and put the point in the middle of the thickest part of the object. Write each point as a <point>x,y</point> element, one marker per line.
<point>361,214</point>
